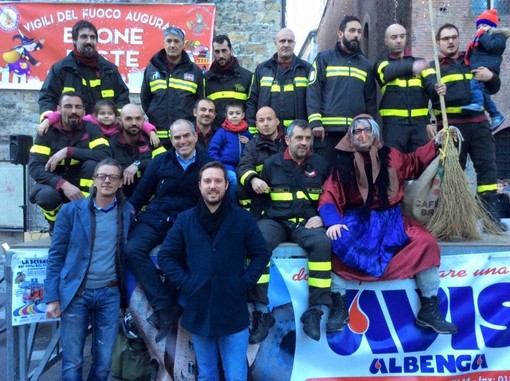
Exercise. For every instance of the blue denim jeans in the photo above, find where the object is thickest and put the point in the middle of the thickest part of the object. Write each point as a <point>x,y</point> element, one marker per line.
<point>232,349</point>
<point>100,307</point>
<point>232,179</point>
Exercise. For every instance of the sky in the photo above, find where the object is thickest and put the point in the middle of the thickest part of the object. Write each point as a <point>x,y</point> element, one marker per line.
<point>302,17</point>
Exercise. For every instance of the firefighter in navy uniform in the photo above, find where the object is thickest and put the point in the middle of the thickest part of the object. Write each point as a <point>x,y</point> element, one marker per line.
<point>295,178</point>
<point>478,141</point>
<point>268,141</point>
<point>280,83</point>
<point>404,105</point>
<point>341,86</point>
<point>85,72</point>
<point>226,80</point>
<point>62,161</point>
<point>171,85</point>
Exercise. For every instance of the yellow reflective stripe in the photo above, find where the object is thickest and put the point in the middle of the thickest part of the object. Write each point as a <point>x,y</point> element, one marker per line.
<point>248,173</point>
<point>302,195</point>
<point>427,72</point>
<point>283,196</point>
<point>266,81</point>
<point>43,150</point>
<point>264,278</point>
<point>258,168</point>
<point>319,266</point>
<point>228,94</point>
<point>456,77</point>
<point>97,142</point>
<point>181,84</point>
<point>287,122</point>
<point>158,151</point>
<point>245,203</point>
<point>404,113</point>
<point>95,82</point>
<point>73,162</point>
<point>68,90</point>
<point>86,183</point>
<point>296,220</point>
<point>51,215</point>
<point>107,93</point>
<point>275,88</point>
<point>380,70</point>
<point>301,81</point>
<point>336,120</point>
<point>346,71</point>
<point>449,110</point>
<point>85,194</point>
<point>314,117</point>
<point>253,130</point>
<point>157,84</point>
<point>163,134</point>
<point>486,188</point>
<point>288,87</point>
<point>319,283</point>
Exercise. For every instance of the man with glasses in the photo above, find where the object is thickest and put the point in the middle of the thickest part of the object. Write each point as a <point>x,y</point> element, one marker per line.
<point>84,272</point>
<point>172,83</point>
<point>371,239</point>
<point>62,161</point>
<point>404,105</point>
<point>475,128</point>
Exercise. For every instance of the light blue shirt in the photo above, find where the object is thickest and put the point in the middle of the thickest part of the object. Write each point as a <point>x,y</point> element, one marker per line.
<point>185,164</point>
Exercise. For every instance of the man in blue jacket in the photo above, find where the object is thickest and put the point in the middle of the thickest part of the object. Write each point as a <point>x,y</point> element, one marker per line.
<point>83,276</point>
<point>205,256</point>
<point>169,186</point>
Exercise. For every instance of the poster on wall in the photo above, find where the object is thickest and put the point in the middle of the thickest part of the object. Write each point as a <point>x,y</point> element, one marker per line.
<point>36,35</point>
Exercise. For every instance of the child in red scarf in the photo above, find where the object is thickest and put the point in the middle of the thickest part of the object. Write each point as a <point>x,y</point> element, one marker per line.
<point>228,142</point>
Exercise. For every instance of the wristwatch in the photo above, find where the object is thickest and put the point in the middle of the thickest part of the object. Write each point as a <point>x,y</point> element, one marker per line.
<point>137,163</point>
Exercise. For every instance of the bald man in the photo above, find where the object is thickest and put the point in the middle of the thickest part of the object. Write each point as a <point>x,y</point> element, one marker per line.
<point>404,102</point>
<point>130,147</point>
<point>280,83</point>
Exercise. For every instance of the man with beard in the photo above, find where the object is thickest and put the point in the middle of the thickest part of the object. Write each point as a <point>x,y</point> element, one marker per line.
<point>404,105</point>
<point>280,83</point>
<point>341,86</point>
<point>85,72</point>
<point>62,161</point>
<point>295,180</point>
<point>204,113</point>
<point>168,187</point>
<point>226,80</point>
<point>171,85</point>
<point>131,148</point>
<point>213,254</point>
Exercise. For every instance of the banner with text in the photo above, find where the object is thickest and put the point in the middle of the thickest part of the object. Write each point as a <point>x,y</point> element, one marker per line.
<point>36,35</point>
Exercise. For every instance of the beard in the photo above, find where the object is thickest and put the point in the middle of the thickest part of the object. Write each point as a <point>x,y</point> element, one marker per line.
<point>352,45</point>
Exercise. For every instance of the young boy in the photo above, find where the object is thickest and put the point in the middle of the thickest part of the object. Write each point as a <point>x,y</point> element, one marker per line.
<point>228,142</point>
<point>486,49</point>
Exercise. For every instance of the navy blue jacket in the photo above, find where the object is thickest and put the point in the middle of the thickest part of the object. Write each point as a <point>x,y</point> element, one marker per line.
<point>211,274</point>
<point>174,189</point>
<point>71,250</point>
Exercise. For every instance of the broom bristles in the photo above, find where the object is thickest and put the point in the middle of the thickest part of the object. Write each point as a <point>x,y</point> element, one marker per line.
<point>458,216</point>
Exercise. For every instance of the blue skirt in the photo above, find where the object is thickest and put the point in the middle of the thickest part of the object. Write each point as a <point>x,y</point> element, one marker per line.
<point>372,239</point>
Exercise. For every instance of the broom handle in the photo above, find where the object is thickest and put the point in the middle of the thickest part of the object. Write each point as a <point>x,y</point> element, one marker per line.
<point>438,69</point>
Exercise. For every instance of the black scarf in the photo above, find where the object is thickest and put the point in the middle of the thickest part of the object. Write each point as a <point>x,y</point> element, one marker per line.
<point>212,221</point>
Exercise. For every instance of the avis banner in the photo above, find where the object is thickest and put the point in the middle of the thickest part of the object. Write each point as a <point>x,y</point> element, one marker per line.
<point>36,35</point>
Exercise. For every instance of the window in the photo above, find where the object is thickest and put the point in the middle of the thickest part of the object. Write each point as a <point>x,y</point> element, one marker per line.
<point>478,6</point>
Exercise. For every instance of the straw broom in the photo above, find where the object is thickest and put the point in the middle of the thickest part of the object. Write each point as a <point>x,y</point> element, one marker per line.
<point>457,213</point>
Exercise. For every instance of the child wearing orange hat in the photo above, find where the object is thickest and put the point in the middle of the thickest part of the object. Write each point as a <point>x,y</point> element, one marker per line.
<point>486,49</point>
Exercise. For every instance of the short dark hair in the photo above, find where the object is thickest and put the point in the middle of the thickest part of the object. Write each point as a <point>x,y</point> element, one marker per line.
<point>82,24</point>
<point>105,103</point>
<point>221,38</point>
<point>237,104</point>
<point>71,94</point>
<point>445,26</point>
<point>212,164</point>
<point>114,163</point>
<point>204,99</point>
<point>297,123</point>
<point>347,19</point>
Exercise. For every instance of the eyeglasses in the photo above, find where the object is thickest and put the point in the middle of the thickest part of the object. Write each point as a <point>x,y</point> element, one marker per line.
<point>448,38</point>
<point>359,131</point>
<point>104,176</point>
